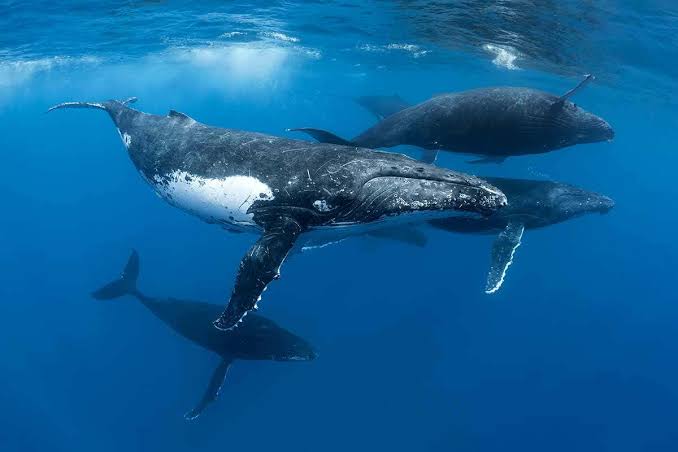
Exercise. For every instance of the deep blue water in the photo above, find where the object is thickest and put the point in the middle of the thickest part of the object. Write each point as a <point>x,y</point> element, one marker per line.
<point>576,352</point>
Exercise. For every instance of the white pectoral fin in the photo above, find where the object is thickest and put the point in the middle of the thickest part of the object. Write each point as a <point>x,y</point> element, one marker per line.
<point>503,249</point>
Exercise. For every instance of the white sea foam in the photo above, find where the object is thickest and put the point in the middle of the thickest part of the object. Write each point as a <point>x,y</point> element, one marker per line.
<point>17,72</point>
<point>413,49</point>
<point>243,63</point>
<point>504,56</point>
<point>232,34</point>
<point>278,36</point>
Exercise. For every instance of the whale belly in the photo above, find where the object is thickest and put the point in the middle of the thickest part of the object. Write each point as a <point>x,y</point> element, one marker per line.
<point>216,200</point>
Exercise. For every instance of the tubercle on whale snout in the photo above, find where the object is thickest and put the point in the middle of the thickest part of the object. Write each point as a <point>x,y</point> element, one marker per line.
<point>389,196</point>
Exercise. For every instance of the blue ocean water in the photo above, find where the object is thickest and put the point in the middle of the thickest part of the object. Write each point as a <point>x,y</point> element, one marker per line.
<point>576,352</point>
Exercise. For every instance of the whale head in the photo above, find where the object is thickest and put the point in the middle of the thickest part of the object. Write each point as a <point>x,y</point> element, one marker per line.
<point>290,347</point>
<point>261,338</point>
<point>578,126</point>
<point>567,201</point>
<point>420,193</point>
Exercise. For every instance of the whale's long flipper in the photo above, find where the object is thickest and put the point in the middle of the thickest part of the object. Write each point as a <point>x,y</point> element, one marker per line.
<point>488,159</point>
<point>258,268</point>
<point>383,106</point>
<point>502,255</point>
<point>212,392</point>
<point>99,105</point>
<point>558,104</point>
<point>125,284</point>
<point>323,136</point>
<point>429,156</point>
<point>587,79</point>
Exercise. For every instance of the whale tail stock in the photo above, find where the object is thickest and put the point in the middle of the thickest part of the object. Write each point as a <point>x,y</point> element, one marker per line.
<point>126,284</point>
<point>323,136</point>
<point>100,105</point>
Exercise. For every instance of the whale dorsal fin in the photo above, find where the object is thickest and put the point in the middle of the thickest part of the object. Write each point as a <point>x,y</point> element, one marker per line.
<point>503,250</point>
<point>212,391</point>
<point>180,115</point>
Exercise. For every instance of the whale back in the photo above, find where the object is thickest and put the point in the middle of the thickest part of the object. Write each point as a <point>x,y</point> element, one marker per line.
<point>499,121</point>
<point>257,338</point>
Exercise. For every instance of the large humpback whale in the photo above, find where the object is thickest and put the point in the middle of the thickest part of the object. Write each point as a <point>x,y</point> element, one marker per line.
<point>281,187</point>
<point>531,204</point>
<point>493,122</point>
<point>257,338</point>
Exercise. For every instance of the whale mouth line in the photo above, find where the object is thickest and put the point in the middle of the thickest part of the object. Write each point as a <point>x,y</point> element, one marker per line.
<point>423,179</point>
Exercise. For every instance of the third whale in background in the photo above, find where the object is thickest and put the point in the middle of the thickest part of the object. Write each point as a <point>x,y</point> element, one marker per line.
<point>495,123</point>
<point>257,339</point>
<point>532,204</point>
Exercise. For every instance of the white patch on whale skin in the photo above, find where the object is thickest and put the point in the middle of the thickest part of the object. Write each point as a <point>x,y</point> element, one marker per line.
<point>321,205</point>
<point>126,138</point>
<point>224,200</point>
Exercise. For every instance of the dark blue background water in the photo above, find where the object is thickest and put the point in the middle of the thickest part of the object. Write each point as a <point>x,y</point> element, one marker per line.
<point>577,352</point>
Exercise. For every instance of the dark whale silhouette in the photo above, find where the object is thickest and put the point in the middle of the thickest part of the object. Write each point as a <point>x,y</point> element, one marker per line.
<point>493,122</point>
<point>282,188</point>
<point>383,106</point>
<point>257,338</point>
<point>532,204</point>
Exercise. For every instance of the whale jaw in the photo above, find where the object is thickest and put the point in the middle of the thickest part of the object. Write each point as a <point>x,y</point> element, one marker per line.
<point>394,197</point>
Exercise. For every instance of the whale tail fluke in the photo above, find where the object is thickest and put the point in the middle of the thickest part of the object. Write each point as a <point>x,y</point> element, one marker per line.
<point>100,105</point>
<point>126,284</point>
<point>323,136</point>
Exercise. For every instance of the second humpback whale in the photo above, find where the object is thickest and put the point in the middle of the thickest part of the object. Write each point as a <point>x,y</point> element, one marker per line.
<point>493,122</point>
<point>281,187</point>
<point>257,338</point>
<point>531,204</point>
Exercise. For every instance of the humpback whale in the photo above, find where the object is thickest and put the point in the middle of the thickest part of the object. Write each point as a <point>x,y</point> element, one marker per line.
<point>257,338</point>
<point>531,204</point>
<point>282,188</point>
<point>495,123</point>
